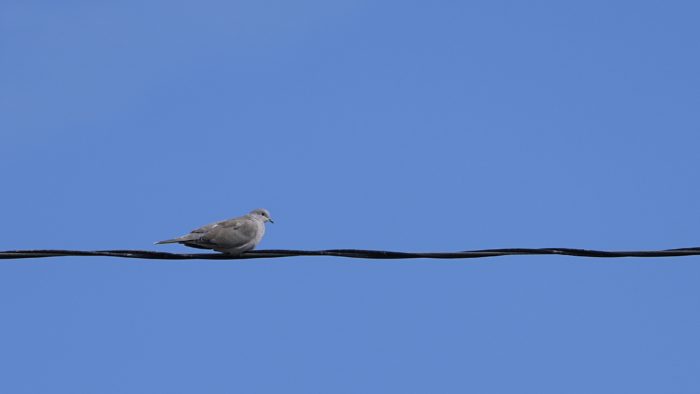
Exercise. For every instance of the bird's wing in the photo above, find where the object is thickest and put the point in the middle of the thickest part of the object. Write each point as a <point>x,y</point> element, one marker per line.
<point>209,227</point>
<point>233,233</point>
<point>228,233</point>
<point>198,233</point>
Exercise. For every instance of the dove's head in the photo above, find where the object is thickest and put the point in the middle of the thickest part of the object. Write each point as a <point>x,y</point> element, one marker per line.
<point>262,214</point>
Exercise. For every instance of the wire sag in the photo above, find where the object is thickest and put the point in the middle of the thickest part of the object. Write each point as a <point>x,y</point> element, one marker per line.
<point>349,253</point>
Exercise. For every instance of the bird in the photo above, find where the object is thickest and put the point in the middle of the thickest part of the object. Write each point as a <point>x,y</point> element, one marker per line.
<point>232,236</point>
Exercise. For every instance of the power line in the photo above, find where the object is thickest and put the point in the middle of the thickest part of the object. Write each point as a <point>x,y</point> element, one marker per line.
<point>350,253</point>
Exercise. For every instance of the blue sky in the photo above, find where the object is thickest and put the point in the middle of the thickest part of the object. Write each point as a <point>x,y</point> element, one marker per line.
<point>416,126</point>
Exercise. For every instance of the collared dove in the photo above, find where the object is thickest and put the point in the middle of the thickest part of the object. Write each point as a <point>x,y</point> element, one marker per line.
<point>232,236</point>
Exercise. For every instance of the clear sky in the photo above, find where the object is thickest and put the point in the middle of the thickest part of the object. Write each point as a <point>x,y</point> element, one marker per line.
<point>400,125</point>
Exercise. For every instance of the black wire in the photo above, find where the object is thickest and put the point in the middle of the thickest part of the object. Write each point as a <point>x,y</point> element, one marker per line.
<point>351,253</point>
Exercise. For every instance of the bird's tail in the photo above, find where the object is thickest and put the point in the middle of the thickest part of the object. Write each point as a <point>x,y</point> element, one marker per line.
<point>168,241</point>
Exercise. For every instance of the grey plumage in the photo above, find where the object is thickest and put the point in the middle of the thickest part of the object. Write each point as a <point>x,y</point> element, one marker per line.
<point>233,236</point>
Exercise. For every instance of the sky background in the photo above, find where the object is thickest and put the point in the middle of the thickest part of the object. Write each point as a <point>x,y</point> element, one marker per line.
<point>399,125</point>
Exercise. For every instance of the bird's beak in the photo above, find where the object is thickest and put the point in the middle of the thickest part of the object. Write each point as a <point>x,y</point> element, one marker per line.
<point>270,220</point>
